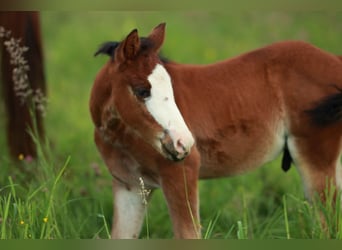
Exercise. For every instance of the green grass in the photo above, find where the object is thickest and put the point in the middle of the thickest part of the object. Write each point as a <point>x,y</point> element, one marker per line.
<point>77,200</point>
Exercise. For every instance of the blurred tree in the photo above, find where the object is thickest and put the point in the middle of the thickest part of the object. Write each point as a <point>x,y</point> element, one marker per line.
<point>26,27</point>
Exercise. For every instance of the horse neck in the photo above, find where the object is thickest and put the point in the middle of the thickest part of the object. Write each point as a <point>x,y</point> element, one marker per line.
<point>185,81</point>
<point>193,89</point>
<point>206,93</point>
<point>192,81</point>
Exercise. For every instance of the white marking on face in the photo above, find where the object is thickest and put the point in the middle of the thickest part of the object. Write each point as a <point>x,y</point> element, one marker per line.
<point>164,110</point>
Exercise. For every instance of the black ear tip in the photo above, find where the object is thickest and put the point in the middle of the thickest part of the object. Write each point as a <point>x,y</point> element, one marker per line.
<point>135,31</point>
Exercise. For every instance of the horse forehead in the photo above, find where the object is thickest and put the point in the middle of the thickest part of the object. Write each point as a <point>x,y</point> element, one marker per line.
<point>159,76</point>
<point>141,68</point>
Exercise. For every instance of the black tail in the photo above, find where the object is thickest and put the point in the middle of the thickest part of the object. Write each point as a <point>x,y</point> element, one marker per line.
<point>328,111</point>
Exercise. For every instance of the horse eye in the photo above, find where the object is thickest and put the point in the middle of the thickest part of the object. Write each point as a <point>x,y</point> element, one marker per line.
<point>142,92</point>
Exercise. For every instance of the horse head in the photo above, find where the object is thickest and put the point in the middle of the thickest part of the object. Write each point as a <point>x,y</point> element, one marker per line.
<point>137,89</point>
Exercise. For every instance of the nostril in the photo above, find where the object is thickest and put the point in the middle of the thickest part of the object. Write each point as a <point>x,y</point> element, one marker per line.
<point>174,149</point>
<point>180,146</point>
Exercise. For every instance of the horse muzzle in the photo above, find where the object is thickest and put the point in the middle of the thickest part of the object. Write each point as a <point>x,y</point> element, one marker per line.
<point>176,146</point>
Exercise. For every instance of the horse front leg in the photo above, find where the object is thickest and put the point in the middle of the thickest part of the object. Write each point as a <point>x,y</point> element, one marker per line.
<point>180,187</point>
<point>129,211</point>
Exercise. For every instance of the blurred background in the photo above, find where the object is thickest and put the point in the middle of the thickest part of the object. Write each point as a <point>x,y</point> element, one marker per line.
<point>69,42</point>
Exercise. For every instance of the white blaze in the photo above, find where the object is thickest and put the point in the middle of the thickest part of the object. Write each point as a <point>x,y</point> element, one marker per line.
<point>163,108</point>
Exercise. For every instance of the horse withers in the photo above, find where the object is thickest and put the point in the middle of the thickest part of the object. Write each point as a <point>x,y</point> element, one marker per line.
<point>168,124</point>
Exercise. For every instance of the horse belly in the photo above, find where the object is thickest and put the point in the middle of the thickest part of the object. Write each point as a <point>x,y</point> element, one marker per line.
<point>241,152</point>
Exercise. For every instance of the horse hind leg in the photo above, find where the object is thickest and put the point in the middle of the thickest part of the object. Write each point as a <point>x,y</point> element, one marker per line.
<point>319,151</point>
<point>339,177</point>
<point>315,147</point>
<point>319,166</point>
<point>318,162</point>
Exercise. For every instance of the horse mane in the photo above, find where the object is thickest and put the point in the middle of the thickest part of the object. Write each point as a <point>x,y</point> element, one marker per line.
<point>108,48</point>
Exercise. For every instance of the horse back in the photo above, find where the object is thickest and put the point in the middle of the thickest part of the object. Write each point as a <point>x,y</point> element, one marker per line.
<point>253,101</point>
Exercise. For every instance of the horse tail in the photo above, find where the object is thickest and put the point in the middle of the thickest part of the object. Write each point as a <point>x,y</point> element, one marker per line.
<point>327,111</point>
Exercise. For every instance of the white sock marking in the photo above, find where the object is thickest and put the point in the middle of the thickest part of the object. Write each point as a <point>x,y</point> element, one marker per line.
<point>131,211</point>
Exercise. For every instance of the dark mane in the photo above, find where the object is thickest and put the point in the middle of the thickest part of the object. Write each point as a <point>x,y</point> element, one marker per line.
<point>108,48</point>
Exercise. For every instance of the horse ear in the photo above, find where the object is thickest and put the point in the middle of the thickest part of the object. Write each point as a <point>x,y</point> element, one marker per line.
<point>129,47</point>
<point>157,36</point>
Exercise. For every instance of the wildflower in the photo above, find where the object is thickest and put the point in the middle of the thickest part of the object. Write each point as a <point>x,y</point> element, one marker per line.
<point>20,78</point>
<point>2,31</point>
<point>22,222</point>
<point>28,158</point>
<point>144,192</point>
<point>21,157</point>
<point>45,219</point>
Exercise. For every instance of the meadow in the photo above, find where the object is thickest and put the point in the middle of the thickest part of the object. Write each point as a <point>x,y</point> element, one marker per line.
<point>68,194</point>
